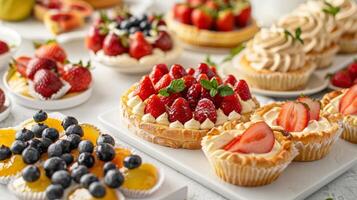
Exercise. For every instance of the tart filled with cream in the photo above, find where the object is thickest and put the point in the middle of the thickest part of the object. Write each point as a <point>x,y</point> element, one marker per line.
<point>177,107</point>
<point>251,154</point>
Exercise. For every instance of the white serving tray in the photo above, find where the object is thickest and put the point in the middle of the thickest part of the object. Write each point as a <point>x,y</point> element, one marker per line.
<point>297,182</point>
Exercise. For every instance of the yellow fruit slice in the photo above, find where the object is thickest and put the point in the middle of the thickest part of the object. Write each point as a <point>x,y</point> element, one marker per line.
<point>38,186</point>
<point>120,154</point>
<point>7,136</point>
<point>83,194</point>
<point>91,133</point>
<point>144,177</point>
<point>50,122</point>
<point>11,166</point>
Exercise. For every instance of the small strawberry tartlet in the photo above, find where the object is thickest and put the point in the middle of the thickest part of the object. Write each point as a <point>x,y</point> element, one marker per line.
<point>251,154</point>
<point>131,44</point>
<point>313,131</point>
<point>48,75</point>
<point>343,104</point>
<point>210,23</point>
<point>177,107</point>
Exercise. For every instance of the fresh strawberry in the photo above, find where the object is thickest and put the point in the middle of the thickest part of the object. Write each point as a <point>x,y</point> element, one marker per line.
<point>2,99</point>
<point>46,83</point>
<point>190,71</point>
<point>21,63</point>
<point>95,38</point>
<point>113,46</point>
<point>158,72</point>
<point>230,79</point>
<point>36,64</point>
<point>203,68</point>
<point>51,50</point>
<point>202,77</point>
<point>180,111</point>
<point>177,71</point>
<point>163,82</point>
<point>211,4</point>
<point>193,94</point>
<point>164,41</point>
<point>314,107</point>
<point>205,109</point>
<point>242,89</point>
<point>3,47</point>
<point>162,67</point>
<point>231,103</point>
<point>218,79</point>
<point>225,21</point>
<point>196,3</point>
<point>189,80</point>
<point>155,106</point>
<point>182,13</point>
<point>342,79</point>
<point>145,88</point>
<point>293,116</point>
<point>352,70</point>
<point>201,19</point>
<point>167,101</point>
<point>79,77</point>
<point>258,138</point>
<point>214,69</point>
<point>348,99</point>
<point>139,47</point>
<point>351,109</point>
<point>217,100</point>
<point>52,4</point>
<point>243,17</point>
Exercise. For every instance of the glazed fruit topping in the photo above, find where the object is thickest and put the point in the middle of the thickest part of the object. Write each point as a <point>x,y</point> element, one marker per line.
<point>348,103</point>
<point>205,109</point>
<point>105,138</point>
<point>51,50</point>
<point>158,72</point>
<point>145,88</point>
<point>47,83</point>
<point>4,47</point>
<point>180,111</point>
<point>314,107</point>
<point>230,103</point>
<point>294,116</point>
<point>242,89</point>
<point>258,138</point>
<point>113,45</point>
<point>345,78</point>
<point>35,64</point>
<point>78,76</point>
<point>154,106</point>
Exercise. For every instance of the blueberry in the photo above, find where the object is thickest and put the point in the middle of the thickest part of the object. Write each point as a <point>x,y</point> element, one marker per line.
<point>31,173</point>
<point>54,150</point>
<point>85,146</point>
<point>145,25</point>
<point>54,164</point>
<point>114,178</point>
<point>105,152</point>
<point>132,161</point>
<point>74,129</point>
<point>51,134</point>
<point>24,135</point>
<point>65,144</point>
<point>78,172</point>
<point>18,146</point>
<point>68,158</point>
<point>97,190</point>
<point>37,144</point>
<point>40,116</point>
<point>74,140</point>
<point>68,121</point>
<point>46,143</point>
<point>88,179</point>
<point>134,21</point>
<point>37,129</point>
<point>61,177</point>
<point>133,30</point>
<point>86,159</point>
<point>30,155</point>
<point>105,138</point>
<point>5,152</point>
<point>108,166</point>
<point>54,192</point>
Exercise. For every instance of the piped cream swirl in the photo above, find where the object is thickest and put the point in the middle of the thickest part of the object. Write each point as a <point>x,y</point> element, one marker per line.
<point>347,16</point>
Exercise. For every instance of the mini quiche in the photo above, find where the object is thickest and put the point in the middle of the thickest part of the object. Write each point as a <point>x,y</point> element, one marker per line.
<point>177,107</point>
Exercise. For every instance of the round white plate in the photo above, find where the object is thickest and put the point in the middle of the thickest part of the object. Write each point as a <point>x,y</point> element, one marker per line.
<point>5,113</point>
<point>13,39</point>
<point>59,104</point>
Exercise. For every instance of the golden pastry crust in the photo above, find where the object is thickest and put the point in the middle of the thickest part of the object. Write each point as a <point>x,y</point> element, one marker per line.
<point>164,135</point>
<point>206,38</point>
<point>104,3</point>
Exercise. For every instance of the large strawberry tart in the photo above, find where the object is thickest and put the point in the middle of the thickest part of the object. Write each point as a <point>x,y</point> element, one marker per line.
<point>177,107</point>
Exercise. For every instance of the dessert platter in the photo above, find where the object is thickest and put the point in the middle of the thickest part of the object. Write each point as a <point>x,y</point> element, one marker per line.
<point>131,44</point>
<point>48,80</point>
<point>10,41</point>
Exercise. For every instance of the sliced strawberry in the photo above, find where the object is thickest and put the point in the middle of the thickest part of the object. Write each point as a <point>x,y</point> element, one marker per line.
<point>193,94</point>
<point>163,82</point>
<point>164,41</point>
<point>351,109</point>
<point>348,98</point>
<point>145,88</point>
<point>205,109</point>
<point>352,70</point>
<point>258,138</point>
<point>36,64</point>
<point>182,13</point>
<point>158,72</point>
<point>293,116</point>
<point>203,68</point>
<point>21,65</point>
<point>314,107</point>
<point>225,20</point>
<point>155,106</point>
<point>139,47</point>
<point>180,111</point>
<point>177,71</point>
<point>231,103</point>
<point>167,101</point>
<point>112,45</point>
<point>189,80</point>
<point>190,71</point>
<point>242,89</point>
<point>201,19</point>
<point>342,79</point>
<point>230,79</point>
<point>51,50</point>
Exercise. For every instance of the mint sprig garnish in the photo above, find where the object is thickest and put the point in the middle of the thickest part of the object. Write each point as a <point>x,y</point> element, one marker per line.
<point>214,88</point>
<point>176,86</point>
<point>235,51</point>
<point>330,9</point>
<point>296,37</point>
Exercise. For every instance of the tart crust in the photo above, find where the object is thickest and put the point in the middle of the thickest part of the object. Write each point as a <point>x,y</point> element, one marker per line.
<point>164,135</point>
<point>206,38</point>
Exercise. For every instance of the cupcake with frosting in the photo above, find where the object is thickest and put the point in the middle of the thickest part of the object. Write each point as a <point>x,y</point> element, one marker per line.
<point>275,60</point>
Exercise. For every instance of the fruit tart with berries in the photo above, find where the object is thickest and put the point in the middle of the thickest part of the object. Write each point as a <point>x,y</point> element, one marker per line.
<point>177,107</point>
<point>48,75</point>
<point>131,44</point>
<point>313,131</point>
<point>343,104</point>
<point>251,154</point>
<point>211,23</point>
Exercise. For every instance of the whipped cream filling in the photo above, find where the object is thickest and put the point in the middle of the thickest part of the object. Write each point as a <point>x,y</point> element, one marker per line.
<point>333,106</point>
<point>347,16</point>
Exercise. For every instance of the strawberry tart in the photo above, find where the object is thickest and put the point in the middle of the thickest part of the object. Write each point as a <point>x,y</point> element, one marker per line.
<point>313,131</point>
<point>177,107</point>
<point>343,104</point>
<point>212,23</point>
<point>131,44</point>
<point>251,154</point>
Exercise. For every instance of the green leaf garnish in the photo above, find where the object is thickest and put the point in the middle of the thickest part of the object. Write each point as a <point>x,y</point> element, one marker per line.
<point>330,9</point>
<point>206,84</point>
<point>235,51</point>
<point>296,37</point>
<point>176,86</point>
<point>225,90</point>
<point>209,61</point>
<point>214,89</point>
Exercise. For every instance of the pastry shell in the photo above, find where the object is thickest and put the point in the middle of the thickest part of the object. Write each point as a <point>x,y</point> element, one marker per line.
<point>348,43</point>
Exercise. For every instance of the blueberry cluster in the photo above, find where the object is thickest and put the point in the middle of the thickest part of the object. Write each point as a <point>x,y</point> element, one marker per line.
<point>134,24</point>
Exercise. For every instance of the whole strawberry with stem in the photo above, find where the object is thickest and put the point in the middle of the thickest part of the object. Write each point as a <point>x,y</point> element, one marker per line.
<point>242,19</point>
<point>114,45</point>
<point>95,38</point>
<point>36,64</point>
<point>78,76</point>
<point>4,47</point>
<point>225,20</point>
<point>51,50</point>
<point>46,83</point>
<point>202,19</point>
<point>163,41</point>
<point>205,109</point>
<point>180,111</point>
<point>139,47</point>
<point>182,13</point>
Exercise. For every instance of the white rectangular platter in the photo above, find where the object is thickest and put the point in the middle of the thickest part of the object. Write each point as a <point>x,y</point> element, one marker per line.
<point>298,181</point>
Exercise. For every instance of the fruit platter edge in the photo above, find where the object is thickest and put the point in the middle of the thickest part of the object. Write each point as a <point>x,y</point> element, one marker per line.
<point>297,182</point>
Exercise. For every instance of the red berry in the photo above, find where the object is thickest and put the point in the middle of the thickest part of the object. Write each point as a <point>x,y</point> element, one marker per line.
<point>94,40</point>
<point>190,71</point>
<point>189,80</point>
<point>145,88</point>
<point>218,79</point>
<point>293,116</point>
<point>348,104</point>
<point>163,82</point>
<point>167,101</point>
<point>177,71</point>
<point>202,77</point>
<point>78,77</point>
<point>3,47</point>
<point>51,50</point>
<point>21,65</point>
<point>182,13</point>
<point>231,103</point>
<point>230,79</point>
<point>36,64</point>
<point>225,21</point>
<point>139,47</point>
<point>112,45</point>
<point>158,72</point>
<point>243,17</point>
<point>155,106</point>
<point>211,4</point>
<point>196,3</point>
<point>342,79</point>
<point>203,68</point>
<point>242,89</point>
<point>205,109</point>
<point>2,99</point>
<point>314,107</point>
<point>46,83</point>
<point>201,19</point>
<point>180,111</point>
<point>194,94</point>
<point>163,41</point>
<point>352,70</point>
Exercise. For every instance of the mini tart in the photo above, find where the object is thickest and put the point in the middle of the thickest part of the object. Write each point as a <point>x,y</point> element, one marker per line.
<point>205,38</point>
<point>349,122</point>
<point>348,43</point>
<point>79,193</point>
<point>10,168</point>
<point>247,169</point>
<point>163,134</point>
<point>312,145</point>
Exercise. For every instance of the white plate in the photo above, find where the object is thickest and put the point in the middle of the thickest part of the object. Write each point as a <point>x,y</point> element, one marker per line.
<point>13,39</point>
<point>5,113</point>
<point>48,105</point>
<point>298,181</point>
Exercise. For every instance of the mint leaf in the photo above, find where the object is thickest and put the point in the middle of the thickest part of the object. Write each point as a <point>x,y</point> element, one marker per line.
<point>214,83</point>
<point>209,61</point>
<point>298,35</point>
<point>330,9</point>
<point>206,84</point>
<point>213,92</point>
<point>225,90</point>
<point>164,92</point>
<point>235,51</point>
<point>176,86</point>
